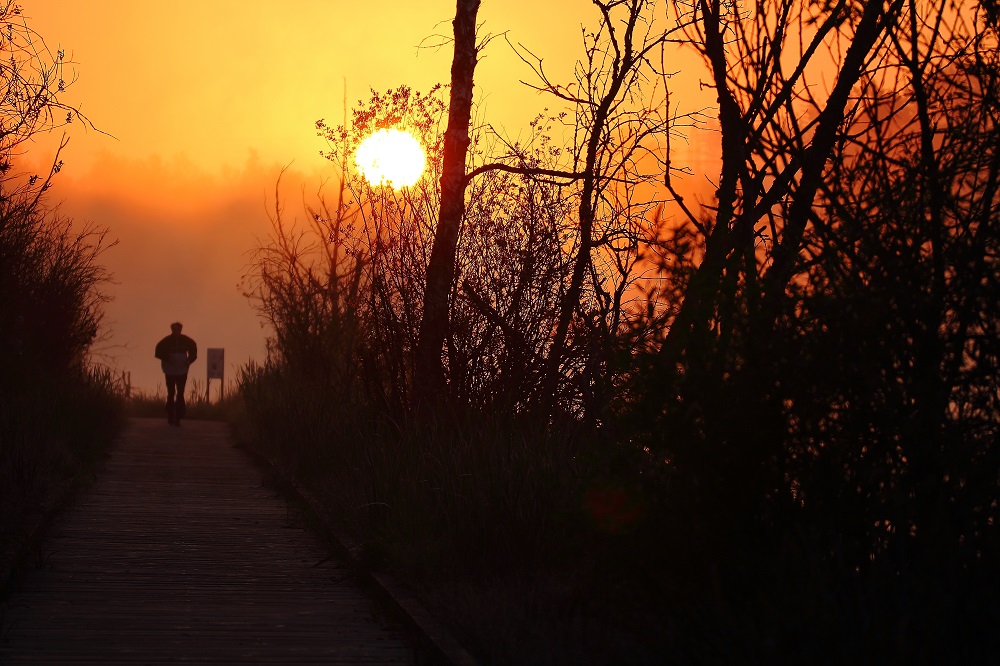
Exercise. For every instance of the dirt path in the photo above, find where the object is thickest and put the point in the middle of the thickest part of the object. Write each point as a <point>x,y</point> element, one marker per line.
<point>178,554</point>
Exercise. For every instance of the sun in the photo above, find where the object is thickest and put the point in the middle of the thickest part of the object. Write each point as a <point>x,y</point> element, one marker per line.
<point>391,157</point>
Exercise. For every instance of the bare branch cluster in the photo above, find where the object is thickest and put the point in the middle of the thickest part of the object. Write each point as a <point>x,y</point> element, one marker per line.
<point>50,279</point>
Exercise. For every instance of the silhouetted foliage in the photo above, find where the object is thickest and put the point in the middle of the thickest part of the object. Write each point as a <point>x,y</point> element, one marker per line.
<point>826,390</point>
<point>49,278</point>
<point>898,313</point>
<point>784,445</point>
<point>57,413</point>
<point>360,267</point>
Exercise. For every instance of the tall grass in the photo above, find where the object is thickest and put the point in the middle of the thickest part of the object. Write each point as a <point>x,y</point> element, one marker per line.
<point>52,431</point>
<point>492,518</point>
<point>546,546</point>
<point>440,489</point>
<point>56,415</point>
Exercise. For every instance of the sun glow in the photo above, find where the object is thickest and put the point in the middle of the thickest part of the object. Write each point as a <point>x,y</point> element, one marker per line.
<point>391,157</point>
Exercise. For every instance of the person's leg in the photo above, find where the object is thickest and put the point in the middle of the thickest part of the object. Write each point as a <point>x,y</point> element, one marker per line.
<point>179,404</point>
<point>171,395</point>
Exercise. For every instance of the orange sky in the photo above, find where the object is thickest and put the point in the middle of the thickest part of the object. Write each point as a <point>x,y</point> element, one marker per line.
<point>206,101</point>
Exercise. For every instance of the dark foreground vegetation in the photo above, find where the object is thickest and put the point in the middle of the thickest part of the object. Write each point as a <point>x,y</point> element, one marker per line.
<point>58,412</point>
<point>759,428</point>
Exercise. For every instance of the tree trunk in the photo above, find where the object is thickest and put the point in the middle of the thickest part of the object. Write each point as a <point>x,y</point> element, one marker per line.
<point>695,313</point>
<point>429,379</point>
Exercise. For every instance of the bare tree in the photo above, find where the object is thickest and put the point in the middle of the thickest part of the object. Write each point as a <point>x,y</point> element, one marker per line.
<point>31,80</point>
<point>622,125</point>
<point>897,293</point>
<point>49,276</point>
<point>778,126</point>
<point>429,372</point>
<point>342,291</point>
<point>620,120</point>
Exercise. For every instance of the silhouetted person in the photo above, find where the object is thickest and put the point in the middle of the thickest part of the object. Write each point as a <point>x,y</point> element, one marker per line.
<point>176,353</point>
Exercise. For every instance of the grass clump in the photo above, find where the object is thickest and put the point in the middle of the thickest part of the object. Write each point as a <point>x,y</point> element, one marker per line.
<point>57,412</point>
<point>505,528</point>
<point>52,433</point>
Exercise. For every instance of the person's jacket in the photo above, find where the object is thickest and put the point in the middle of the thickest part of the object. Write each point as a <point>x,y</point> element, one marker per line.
<point>176,352</point>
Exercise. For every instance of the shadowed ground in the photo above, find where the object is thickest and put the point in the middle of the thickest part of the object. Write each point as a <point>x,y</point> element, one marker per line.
<point>178,553</point>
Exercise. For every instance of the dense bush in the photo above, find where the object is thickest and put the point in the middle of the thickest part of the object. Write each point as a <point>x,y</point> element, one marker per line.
<point>57,411</point>
<point>783,446</point>
<point>53,431</point>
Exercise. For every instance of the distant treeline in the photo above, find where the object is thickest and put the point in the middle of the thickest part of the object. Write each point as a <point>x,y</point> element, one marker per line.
<point>755,429</point>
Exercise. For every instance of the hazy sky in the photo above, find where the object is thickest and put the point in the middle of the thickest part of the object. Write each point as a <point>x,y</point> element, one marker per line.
<point>206,100</point>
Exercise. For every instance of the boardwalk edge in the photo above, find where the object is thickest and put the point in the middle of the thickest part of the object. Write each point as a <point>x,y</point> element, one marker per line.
<point>434,635</point>
<point>15,557</point>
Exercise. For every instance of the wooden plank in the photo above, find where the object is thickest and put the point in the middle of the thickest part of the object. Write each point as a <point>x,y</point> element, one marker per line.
<point>178,553</point>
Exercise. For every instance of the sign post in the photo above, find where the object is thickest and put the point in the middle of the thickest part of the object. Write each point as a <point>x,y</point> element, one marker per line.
<point>216,369</point>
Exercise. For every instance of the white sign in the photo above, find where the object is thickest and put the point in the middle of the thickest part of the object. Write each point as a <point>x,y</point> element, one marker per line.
<point>216,363</point>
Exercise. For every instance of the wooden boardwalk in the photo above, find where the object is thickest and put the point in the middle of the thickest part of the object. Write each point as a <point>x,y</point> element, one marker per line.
<point>179,554</point>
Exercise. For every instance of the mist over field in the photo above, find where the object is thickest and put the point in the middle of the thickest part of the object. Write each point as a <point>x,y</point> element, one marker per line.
<point>183,235</point>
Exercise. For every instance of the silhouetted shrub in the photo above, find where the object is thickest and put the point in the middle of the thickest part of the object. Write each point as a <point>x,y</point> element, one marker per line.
<point>57,411</point>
